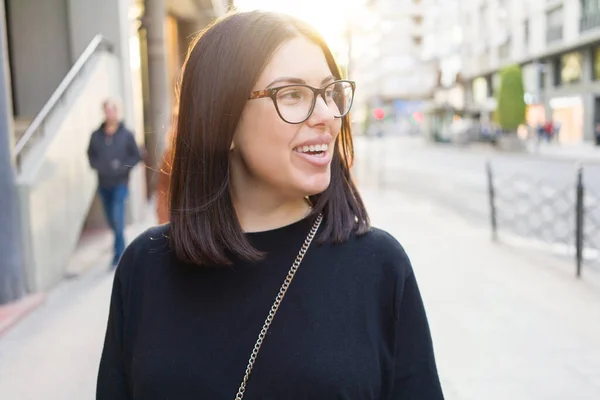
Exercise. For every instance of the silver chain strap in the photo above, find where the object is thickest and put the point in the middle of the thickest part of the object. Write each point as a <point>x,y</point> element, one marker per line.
<point>276,303</point>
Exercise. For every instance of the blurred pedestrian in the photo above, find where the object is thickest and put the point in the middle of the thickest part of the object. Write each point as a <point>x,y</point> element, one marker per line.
<point>260,169</point>
<point>113,152</point>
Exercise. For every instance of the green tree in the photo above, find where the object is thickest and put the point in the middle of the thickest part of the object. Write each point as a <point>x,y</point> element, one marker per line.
<point>511,102</point>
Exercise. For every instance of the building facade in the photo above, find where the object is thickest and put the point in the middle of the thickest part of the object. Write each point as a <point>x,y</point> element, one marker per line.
<point>385,60</point>
<point>557,44</point>
<point>443,42</point>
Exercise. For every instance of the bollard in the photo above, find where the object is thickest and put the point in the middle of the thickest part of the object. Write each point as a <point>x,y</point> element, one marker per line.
<point>579,221</point>
<point>492,200</point>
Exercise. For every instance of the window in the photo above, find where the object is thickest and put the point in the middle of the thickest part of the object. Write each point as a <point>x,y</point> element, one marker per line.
<point>483,22</point>
<point>590,15</point>
<point>418,20</point>
<point>417,40</point>
<point>543,73</point>
<point>526,33</point>
<point>590,6</point>
<point>570,68</point>
<point>554,24</point>
<point>596,66</point>
<point>504,50</point>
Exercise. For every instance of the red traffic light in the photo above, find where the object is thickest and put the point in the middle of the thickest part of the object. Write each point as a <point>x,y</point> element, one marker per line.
<point>379,113</point>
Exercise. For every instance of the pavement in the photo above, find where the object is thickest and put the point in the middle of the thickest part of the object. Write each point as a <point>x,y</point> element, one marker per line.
<point>507,322</point>
<point>52,353</point>
<point>584,152</point>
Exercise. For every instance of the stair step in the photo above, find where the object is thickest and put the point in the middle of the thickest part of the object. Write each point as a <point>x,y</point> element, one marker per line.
<point>21,125</point>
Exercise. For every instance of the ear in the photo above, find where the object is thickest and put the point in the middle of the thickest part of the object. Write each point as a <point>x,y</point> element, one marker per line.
<point>232,146</point>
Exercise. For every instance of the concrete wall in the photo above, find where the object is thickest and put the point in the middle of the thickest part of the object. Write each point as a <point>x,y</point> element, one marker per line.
<point>57,185</point>
<point>87,19</point>
<point>40,54</point>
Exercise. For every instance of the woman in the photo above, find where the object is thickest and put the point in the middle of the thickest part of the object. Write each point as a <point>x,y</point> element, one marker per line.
<point>231,299</point>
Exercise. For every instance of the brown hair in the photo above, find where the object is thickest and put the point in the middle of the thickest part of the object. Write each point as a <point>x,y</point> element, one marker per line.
<point>221,69</point>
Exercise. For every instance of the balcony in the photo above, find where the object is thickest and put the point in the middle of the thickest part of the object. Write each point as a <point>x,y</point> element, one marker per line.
<point>554,34</point>
<point>589,21</point>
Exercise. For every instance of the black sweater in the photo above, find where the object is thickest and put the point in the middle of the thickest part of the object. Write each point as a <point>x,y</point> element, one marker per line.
<point>351,326</point>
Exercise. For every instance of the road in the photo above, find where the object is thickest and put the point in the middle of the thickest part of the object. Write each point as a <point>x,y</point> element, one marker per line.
<point>535,196</point>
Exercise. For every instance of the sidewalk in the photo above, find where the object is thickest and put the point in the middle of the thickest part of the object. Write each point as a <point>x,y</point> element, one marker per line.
<point>584,152</point>
<point>53,353</point>
<point>507,323</point>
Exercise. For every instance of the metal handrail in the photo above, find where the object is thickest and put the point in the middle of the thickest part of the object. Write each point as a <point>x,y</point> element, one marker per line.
<point>98,43</point>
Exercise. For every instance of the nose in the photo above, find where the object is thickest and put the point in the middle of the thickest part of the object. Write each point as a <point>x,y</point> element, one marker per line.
<point>322,113</point>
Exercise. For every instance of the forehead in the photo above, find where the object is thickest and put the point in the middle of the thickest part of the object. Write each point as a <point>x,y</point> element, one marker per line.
<point>296,58</point>
<point>110,106</point>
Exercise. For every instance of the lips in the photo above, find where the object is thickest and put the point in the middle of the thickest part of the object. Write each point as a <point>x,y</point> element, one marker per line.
<point>315,153</point>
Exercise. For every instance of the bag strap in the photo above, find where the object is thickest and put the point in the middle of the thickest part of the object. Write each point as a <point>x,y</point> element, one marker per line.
<point>276,303</point>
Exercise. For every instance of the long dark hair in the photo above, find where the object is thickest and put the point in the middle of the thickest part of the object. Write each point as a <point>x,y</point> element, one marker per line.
<point>221,69</point>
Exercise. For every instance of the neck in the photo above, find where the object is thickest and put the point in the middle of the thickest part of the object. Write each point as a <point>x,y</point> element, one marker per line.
<point>110,127</point>
<point>258,210</point>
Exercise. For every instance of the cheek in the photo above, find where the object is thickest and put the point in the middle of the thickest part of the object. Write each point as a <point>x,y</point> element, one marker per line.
<point>264,141</point>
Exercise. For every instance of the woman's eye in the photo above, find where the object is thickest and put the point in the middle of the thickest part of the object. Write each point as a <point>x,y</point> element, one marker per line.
<point>291,95</point>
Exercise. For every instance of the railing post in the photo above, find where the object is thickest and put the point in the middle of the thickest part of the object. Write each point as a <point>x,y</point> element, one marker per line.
<point>492,200</point>
<point>579,220</point>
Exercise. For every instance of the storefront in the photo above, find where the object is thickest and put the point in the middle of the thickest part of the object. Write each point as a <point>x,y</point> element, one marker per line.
<point>567,115</point>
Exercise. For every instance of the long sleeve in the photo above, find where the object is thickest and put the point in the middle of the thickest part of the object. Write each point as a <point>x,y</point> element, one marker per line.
<point>93,158</point>
<point>415,372</point>
<point>112,378</point>
<point>133,152</point>
<point>92,154</point>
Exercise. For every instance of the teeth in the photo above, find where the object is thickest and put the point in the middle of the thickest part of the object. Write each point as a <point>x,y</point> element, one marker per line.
<point>318,147</point>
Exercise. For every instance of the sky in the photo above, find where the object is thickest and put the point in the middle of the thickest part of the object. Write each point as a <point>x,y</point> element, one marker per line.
<point>328,16</point>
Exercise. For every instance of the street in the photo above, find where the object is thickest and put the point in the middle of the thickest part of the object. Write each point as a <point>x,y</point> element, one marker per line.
<point>535,196</point>
<point>507,323</point>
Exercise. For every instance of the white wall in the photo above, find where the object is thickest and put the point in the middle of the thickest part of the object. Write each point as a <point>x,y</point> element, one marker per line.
<point>87,19</point>
<point>57,185</point>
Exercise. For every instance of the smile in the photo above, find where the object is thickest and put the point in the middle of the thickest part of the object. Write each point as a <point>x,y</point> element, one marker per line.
<point>315,150</point>
<point>316,155</point>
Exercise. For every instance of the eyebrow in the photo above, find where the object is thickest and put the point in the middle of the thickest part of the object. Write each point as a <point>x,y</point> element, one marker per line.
<point>298,81</point>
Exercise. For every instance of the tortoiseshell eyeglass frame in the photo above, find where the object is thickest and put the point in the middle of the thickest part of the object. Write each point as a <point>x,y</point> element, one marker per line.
<point>272,94</point>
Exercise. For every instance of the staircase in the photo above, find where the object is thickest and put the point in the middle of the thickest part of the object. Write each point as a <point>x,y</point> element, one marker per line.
<point>56,186</point>
<point>21,125</point>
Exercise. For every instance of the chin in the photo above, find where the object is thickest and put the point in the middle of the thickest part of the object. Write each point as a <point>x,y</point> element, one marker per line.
<point>315,185</point>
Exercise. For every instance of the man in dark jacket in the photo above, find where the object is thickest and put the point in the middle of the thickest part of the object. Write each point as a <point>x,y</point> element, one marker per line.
<point>113,152</point>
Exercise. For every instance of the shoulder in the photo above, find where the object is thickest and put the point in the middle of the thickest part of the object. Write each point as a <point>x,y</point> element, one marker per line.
<point>95,134</point>
<point>127,131</point>
<point>145,251</point>
<point>376,252</point>
<point>381,245</point>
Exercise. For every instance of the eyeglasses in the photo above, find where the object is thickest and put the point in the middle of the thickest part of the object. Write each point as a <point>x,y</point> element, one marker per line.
<point>296,103</point>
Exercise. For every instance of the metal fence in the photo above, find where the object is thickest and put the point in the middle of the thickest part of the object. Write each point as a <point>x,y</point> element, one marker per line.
<point>565,216</point>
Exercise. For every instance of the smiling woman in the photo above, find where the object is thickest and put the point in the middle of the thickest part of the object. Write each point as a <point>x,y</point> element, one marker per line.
<point>268,283</point>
